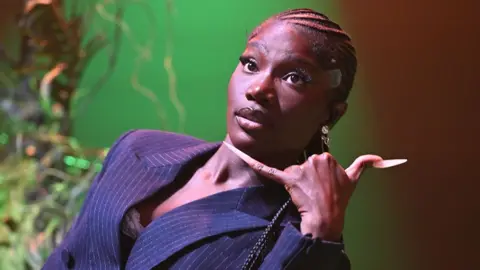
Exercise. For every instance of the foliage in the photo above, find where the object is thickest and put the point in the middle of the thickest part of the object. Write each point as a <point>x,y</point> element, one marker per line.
<point>36,215</point>
<point>44,172</point>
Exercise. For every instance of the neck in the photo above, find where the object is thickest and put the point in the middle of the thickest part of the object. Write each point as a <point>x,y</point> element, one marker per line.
<point>225,168</point>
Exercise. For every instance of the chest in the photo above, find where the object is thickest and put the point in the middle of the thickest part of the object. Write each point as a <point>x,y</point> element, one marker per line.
<point>178,199</point>
<point>162,203</point>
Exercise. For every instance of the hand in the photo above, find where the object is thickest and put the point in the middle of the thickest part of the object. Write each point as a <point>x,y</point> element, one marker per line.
<point>320,189</point>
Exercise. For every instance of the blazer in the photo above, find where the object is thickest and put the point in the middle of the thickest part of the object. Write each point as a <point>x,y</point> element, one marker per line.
<point>216,232</point>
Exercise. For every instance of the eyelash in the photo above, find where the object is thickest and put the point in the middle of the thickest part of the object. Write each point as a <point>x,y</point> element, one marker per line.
<point>301,73</point>
<point>247,60</point>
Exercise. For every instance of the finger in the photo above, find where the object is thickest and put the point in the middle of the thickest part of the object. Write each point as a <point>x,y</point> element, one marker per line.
<point>322,164</point>
<point>357,167</point>
<point>295,169</point>
<point>269,172</point>
<point>382,164</point>
<point>324,159</point>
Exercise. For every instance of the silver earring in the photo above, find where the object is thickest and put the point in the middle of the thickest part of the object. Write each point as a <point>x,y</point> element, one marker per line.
<point>325,138</point>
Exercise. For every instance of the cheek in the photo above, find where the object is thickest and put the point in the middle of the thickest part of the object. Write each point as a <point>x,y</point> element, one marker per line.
<point>238,85</point>
<point>296,104</point>
<point>303,112</point>
<point>303,119</point>
<point>232,87</point>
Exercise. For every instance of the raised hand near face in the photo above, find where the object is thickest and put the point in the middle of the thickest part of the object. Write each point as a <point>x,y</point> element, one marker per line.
<point>320,188</point>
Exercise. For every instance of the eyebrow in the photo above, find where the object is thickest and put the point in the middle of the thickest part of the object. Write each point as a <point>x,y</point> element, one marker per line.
<point>292,57</point>
<point>301,60</point>
<point>259,46</point>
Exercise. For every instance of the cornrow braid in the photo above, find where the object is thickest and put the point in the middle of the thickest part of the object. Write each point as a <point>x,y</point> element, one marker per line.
<point>330,42</point>
<point>334,50</point>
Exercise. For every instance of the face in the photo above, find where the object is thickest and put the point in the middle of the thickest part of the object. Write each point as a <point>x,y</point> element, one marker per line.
<point>278,97</point>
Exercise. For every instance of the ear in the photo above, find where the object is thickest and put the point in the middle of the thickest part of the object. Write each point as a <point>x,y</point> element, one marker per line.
<point>337,111</point>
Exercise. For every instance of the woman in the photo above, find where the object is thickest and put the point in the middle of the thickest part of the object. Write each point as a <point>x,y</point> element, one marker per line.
<point>169,201</point>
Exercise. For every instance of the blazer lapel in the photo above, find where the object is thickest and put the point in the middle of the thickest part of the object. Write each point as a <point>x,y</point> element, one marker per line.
<point>188,224</point>
<point>133,179</point>
<point>234,210</point>
<point>160,169</point>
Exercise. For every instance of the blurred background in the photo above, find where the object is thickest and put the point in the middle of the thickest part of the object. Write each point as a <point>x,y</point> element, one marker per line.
<point>74,75</point>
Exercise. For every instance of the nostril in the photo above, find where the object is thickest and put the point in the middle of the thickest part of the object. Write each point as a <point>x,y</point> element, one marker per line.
<point>249,97</point>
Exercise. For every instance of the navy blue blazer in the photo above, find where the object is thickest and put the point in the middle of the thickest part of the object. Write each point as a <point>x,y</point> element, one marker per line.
<point>216,232</point>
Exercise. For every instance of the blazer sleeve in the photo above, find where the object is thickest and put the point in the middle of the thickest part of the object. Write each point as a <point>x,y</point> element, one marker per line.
<point>293,250</point>
<point>61,258</point>
<point>114,150</point>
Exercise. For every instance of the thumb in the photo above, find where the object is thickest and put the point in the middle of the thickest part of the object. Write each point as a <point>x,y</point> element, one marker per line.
<point>356,168</point>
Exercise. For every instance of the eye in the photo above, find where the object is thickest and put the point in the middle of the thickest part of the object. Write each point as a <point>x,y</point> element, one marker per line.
<point>249,65</point>
<point>297,78</point>
<point>294,79</point>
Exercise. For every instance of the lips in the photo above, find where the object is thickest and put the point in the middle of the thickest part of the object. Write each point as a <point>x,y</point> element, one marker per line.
<point>252,115</point>
<point>257,117</point>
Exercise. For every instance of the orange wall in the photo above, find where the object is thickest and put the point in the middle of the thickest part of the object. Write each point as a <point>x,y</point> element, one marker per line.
<point>420,61</point>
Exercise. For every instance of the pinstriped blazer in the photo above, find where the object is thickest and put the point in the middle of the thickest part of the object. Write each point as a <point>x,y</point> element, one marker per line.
<point>215,232</point>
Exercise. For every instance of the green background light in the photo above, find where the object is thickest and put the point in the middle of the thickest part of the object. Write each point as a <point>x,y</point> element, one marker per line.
<point>207,38</point>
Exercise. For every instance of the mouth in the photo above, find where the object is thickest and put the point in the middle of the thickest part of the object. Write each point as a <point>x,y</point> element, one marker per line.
<point>249,118</point>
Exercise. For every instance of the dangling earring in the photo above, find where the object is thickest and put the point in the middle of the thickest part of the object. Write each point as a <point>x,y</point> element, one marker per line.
<point>325,139</point>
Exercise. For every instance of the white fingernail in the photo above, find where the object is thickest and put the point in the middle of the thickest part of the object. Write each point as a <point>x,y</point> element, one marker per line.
<point>239,153</point>
<point>382,164</point>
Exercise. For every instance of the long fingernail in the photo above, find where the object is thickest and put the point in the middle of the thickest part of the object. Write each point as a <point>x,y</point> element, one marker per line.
<point>382,164</point>
<point>239,153</point>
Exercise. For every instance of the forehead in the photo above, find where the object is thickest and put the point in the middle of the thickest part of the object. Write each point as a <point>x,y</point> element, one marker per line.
<point>277,36</point>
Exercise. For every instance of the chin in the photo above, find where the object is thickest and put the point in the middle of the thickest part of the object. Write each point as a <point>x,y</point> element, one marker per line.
<point>240,138</point>
<point>248,143</point>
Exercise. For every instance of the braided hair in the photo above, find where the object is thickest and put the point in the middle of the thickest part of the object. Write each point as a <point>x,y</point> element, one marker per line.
<point>334,52</point>
<point>332,45</point>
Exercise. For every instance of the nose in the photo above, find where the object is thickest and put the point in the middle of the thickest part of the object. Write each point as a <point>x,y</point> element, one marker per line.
<point>263,93</point>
